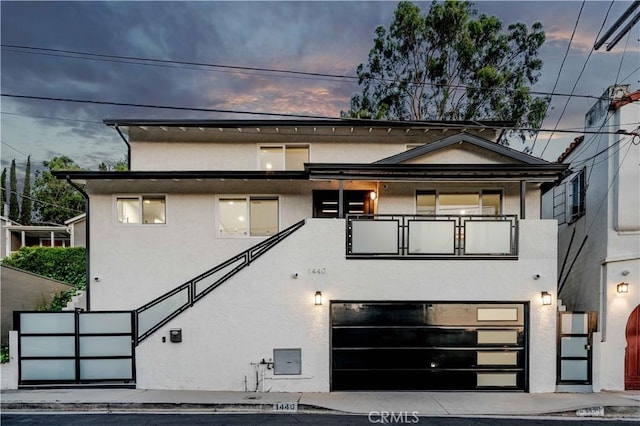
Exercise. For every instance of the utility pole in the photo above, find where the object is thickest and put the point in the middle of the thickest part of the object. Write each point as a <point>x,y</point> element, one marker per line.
<point>616,25</point>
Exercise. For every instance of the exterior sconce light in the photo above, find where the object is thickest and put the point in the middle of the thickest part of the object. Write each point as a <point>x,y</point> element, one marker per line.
<point>318,298</point>
<point>622,288</point>
<point>373,195</point>
<point>546,298</point>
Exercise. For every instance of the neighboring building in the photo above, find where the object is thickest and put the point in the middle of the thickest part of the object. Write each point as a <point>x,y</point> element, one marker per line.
<point>597,206</point>
<point>15,235</point>
<point>77,230</point>
<point>420,265</point>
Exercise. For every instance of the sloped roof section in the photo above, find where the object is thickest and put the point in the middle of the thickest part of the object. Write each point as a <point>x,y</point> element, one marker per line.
<point>460,138</point>
<point>576,143</point>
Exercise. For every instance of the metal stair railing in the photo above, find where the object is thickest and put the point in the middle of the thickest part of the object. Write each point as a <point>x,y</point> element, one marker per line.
<point>153,315</point>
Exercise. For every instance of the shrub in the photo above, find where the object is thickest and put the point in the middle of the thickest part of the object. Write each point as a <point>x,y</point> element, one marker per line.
<point>59,263</point>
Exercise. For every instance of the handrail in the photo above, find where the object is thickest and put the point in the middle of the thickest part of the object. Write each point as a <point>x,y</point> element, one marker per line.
<point>242,260</point>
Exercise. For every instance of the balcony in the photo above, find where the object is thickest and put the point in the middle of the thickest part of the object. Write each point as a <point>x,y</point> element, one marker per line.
<point>432,236</point>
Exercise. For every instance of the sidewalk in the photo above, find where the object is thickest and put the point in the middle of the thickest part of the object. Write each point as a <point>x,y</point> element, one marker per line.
<point>607,404</point>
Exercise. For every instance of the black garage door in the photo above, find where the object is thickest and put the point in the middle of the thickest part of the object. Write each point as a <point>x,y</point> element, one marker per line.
<point>428,346</point>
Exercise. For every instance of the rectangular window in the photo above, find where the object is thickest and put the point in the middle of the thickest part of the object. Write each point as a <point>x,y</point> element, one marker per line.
<point>144,209</point>
<point>497,358</point>
<point>283,157</point>
<point>497,314</point>
<point>492,337</point>
<point>486,202</point>
<point>578,190</point>
<point>426,202</point>
<point>497,379</point>
<point>253,216</point>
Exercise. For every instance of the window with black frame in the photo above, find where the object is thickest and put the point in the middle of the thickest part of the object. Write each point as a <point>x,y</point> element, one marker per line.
<point>578,191</point>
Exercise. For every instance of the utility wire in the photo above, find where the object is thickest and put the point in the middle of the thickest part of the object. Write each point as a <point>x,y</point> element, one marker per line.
<point>52,118</point>
<point>337,119</point>
<point>251,70</point>
<point>584,66</point>
<point>36,200</point>
<point>272,114</point>
<point>555,85</point>
<point>13,148</point>
<point>44,117</point>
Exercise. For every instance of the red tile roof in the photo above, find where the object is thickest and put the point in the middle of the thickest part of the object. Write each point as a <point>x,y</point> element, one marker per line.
<point>627,99</point>
<point>576,142</point>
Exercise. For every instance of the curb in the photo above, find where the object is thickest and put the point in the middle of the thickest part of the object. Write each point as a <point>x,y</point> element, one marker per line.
<point>600,412</point>
<point>155,406</point>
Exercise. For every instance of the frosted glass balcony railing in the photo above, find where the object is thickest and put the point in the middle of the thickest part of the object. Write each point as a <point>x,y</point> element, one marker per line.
<point>431,236</point>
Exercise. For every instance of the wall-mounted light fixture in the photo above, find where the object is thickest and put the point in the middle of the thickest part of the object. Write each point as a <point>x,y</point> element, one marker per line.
<point>622,288</point>
<point>318,298</point>
<point>373,195</point>
<point>546,297</point>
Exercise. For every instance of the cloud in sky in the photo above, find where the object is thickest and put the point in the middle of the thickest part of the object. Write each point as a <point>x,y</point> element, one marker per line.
<point>319,37</point>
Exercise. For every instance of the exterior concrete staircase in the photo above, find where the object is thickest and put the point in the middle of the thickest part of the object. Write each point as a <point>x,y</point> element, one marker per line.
<point>79,301</point>
<point>150,317</point>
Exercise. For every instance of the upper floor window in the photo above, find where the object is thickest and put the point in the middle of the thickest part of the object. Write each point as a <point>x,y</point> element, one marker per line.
<point>250,215</point>
<point>145,209</point>
<point>283,157</point>
<point>578,190</point>
<point>486,202</point>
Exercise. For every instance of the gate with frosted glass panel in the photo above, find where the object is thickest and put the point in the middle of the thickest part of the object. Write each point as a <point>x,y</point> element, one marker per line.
<point>75,347</point>
<point>575,331</point>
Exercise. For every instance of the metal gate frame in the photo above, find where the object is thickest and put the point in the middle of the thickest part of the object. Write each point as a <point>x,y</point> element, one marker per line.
<point>76,355</point>
<point>591,325</point>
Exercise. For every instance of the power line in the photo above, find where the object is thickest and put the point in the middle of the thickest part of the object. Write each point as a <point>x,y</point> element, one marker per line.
<point>52,118</point>
<point>584,66</point>
<point>337,119</point>
<point>180,108</point>
<point>13,148</point>
<point>36,200</point>
<point>555,85</point>
<point>250,70</point>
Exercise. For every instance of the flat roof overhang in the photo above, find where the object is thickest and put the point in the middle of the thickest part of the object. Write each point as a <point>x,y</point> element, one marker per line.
<point>422,172</point>
<point>173,181</point>
<point>207,180</point>
<point>341,122</point>
<point>40,230</point>
<point>335,130</point>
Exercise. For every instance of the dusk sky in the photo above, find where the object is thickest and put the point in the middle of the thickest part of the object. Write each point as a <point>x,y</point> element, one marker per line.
<point>314,37</point>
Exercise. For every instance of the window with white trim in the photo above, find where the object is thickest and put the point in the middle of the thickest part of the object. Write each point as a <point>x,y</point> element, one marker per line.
<point>141,209</point>
<point>578,191</point>
<point>254,216</point>
<point>282,157</point>
<point>485,202</point>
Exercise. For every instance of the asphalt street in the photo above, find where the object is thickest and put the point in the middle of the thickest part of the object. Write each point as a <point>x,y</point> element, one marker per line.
<point>162,419</point>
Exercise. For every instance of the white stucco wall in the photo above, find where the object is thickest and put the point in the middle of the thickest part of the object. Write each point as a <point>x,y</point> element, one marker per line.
<point>263,308</point>
<point>231,150</point>
<point>612,225</point>
<point>146,261</point>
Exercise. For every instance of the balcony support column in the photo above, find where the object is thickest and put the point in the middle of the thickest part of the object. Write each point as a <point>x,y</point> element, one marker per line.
<point>341,199</point>
<point>523,197</point>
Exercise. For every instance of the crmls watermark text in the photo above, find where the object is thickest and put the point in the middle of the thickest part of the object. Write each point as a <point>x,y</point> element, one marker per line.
<point>390,417</point>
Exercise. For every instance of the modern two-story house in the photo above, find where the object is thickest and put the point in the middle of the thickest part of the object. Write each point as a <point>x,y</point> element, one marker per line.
<point>597,208</point>
<point>321,255</point>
